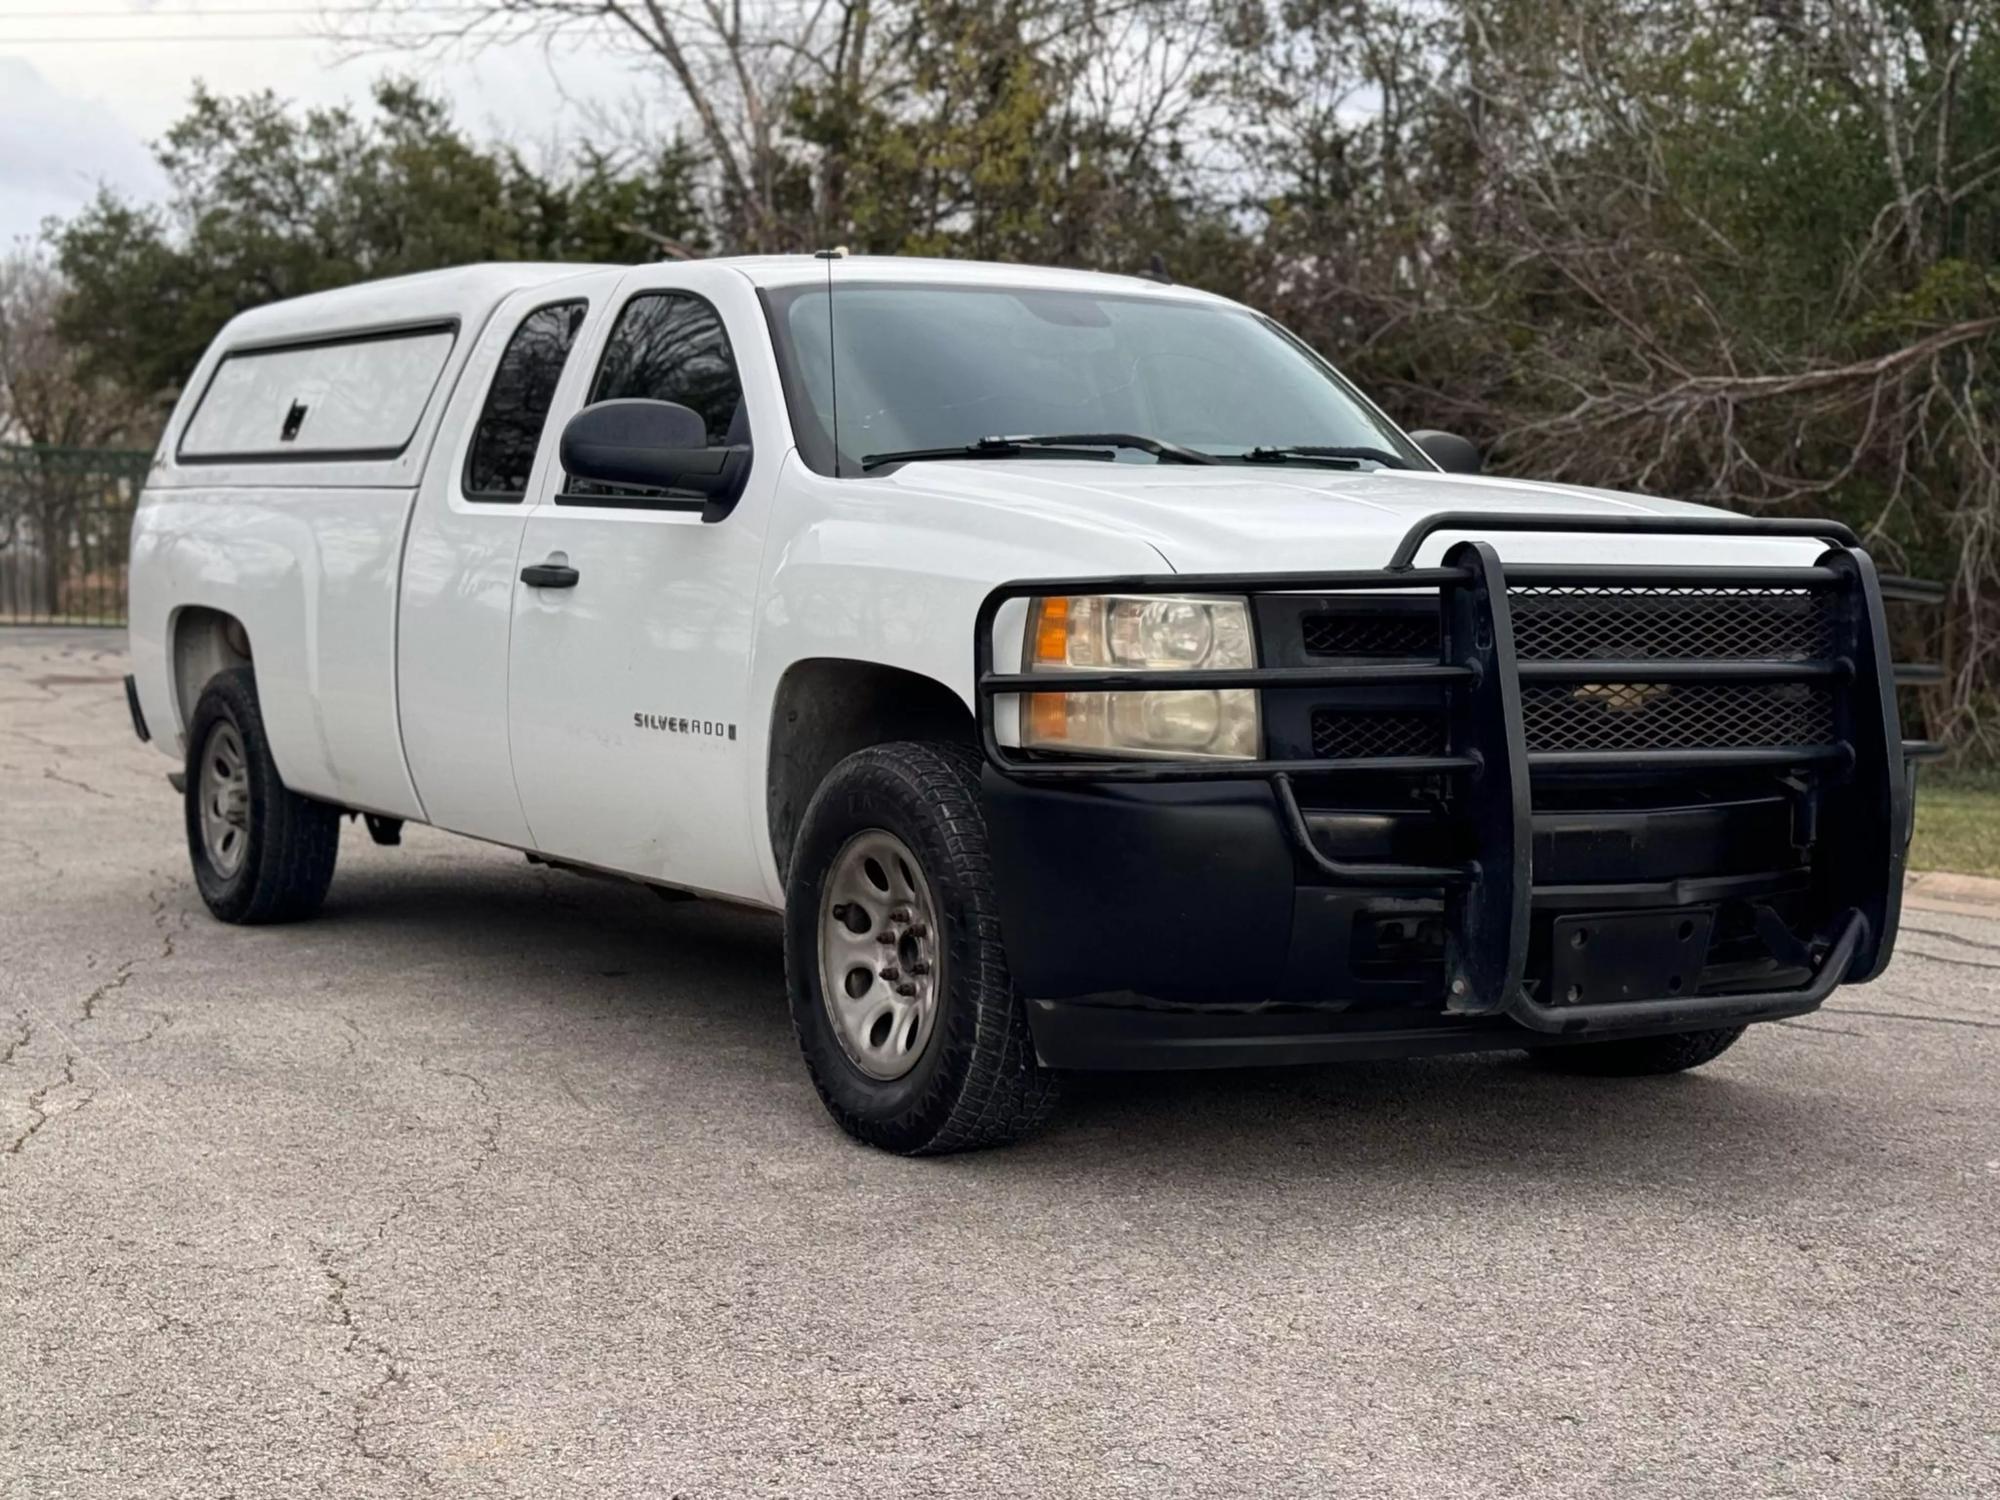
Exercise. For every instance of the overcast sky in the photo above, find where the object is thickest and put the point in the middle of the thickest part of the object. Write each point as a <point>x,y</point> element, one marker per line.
<point>86,85</point>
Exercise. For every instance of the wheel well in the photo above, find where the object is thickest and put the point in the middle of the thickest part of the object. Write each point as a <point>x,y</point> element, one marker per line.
<point>826,709</point>
<point>206,641</point>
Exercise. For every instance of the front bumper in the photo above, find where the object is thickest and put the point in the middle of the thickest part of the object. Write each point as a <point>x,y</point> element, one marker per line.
<point>1177,925</point>
<point>1176,914</point>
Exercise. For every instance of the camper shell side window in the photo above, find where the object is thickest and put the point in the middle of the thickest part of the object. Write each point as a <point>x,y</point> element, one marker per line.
<point>348,397</point>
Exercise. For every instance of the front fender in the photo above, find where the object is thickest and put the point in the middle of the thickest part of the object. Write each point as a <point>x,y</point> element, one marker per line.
<point>859,572</point>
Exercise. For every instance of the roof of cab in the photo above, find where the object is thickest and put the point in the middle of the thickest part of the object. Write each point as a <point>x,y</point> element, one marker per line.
<point>791,270</point>
<point>465,294</point>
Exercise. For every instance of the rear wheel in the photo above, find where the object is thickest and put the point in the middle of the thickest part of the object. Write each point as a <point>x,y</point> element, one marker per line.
<point>261,853</point>
<point>1639,1057</point>
<point>900,993</point>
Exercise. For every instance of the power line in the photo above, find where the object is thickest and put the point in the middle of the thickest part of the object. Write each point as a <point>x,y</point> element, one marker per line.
<point>231,12</point>
<point>217,36</point>
<point>475,14</point>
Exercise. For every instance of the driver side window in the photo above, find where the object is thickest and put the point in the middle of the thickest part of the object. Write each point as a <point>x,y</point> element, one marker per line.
<point>667,346</point>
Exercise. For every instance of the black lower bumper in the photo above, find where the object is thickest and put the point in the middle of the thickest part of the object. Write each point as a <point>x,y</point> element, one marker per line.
<point>1092,1036</point>
<point>1177,925</point>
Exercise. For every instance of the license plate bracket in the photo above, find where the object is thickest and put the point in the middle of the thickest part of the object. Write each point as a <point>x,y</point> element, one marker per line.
<point>1605,957</point>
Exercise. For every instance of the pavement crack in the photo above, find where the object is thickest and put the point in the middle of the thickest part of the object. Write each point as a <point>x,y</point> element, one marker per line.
<point>118,980</point>
<point>489,1139</point>
<point>393,1373</point>
<point>37,741</point>
<point>49,773</point>
<point>32,854</point>
<point>1952,937</point>
<point>161,1020</point>
<point>478,1083</point>
<point>161,919</point>
<point>15,1044</point>
<point>1822,1030</point>
<point>1956,963</point>
<point>488,1148</point>
<point>39,1116</point>
<point>1903,1015</point>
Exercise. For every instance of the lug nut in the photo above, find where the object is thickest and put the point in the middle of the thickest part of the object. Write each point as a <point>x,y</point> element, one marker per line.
<point>918,930</point>
<point>906,988</point>
<point>890,974</point>
<point>885,938</point>
<point>920,967</point>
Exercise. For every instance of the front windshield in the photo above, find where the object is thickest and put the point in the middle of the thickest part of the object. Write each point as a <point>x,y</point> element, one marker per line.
<point>917,366</point>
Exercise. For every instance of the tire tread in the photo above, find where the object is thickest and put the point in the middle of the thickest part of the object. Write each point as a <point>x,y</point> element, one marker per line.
<point>1640,1057</point>
<point>1004,1093</point>
<point>296,839</point>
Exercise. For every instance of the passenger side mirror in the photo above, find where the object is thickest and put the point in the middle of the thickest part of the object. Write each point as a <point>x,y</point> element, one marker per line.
<point>658,445</point>
<point>1449,451</point>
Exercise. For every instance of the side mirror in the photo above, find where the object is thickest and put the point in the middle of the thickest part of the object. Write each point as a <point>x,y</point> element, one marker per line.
<point>1449,451</point>
<point>659,445</point>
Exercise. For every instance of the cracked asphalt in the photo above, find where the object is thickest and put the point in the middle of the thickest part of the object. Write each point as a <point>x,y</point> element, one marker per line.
<point>498,1182</point>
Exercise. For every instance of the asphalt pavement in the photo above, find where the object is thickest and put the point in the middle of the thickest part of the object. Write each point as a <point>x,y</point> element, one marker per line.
<point>496,1181</point>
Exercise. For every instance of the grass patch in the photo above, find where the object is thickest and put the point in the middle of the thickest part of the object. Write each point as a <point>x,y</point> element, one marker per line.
<point>1958,822</point>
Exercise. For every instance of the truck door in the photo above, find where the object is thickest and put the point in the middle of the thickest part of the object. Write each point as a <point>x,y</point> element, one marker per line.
<point>456,602</point>
<point>629,674</point>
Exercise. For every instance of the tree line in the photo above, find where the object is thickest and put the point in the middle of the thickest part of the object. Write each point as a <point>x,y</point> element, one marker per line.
<point>1738,251</point>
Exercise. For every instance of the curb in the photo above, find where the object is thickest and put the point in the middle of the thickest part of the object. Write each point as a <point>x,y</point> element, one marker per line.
<point>1940,890</point>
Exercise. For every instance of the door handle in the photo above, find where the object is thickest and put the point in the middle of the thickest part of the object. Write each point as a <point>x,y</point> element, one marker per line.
<point>549,576</point>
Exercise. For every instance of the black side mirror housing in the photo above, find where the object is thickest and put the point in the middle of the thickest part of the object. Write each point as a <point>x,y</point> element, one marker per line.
<point>659,445</point>
<point>1449,451</point>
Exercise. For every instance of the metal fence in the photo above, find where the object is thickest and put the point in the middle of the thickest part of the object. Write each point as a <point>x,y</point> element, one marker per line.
<point>65,533</point>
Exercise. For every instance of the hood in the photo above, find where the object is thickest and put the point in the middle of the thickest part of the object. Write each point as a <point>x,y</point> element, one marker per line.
<point>1234,518</point>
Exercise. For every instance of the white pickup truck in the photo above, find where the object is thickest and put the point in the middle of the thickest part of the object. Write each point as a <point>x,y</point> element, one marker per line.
<point>1091,675</point>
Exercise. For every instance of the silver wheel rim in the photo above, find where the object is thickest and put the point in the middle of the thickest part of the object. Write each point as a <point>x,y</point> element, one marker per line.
<point>225,799</point>
<point>880,961</point>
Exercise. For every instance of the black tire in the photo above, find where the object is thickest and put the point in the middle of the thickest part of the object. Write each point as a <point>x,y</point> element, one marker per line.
<point>977,1082</point>
<point>1639,1057</point>
<point>290,841</point>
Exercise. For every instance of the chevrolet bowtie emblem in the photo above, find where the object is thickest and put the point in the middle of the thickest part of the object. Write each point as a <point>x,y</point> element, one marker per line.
<point>1621,697</point>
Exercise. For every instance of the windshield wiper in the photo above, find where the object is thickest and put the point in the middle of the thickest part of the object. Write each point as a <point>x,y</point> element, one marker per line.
<point>1323,454</point>
<point>1049,445</point>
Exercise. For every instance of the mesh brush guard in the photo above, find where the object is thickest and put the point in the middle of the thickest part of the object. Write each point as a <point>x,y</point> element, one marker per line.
<point>1845,732</point>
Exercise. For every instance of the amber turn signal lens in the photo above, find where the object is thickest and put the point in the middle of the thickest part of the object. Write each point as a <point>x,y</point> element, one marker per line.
<point>1048,717</point>
<point>1050,631</point>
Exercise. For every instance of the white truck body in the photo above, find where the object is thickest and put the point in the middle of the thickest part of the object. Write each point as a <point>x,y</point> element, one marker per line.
<point>406,671</point>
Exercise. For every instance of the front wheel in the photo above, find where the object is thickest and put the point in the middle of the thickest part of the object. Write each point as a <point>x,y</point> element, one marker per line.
<point>1639,1057</point>
<point>900,993</point>
<point>261,852</point>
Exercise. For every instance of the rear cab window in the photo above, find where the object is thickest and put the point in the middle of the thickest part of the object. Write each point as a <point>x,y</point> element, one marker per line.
<point>502,453</point>
<point>358,397</point>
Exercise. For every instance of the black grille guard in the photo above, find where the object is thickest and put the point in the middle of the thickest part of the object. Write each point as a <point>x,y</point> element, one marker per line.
<point>1867,763</point>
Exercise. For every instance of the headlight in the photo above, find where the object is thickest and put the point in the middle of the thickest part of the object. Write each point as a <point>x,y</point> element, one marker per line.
<point>1145,633</point>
